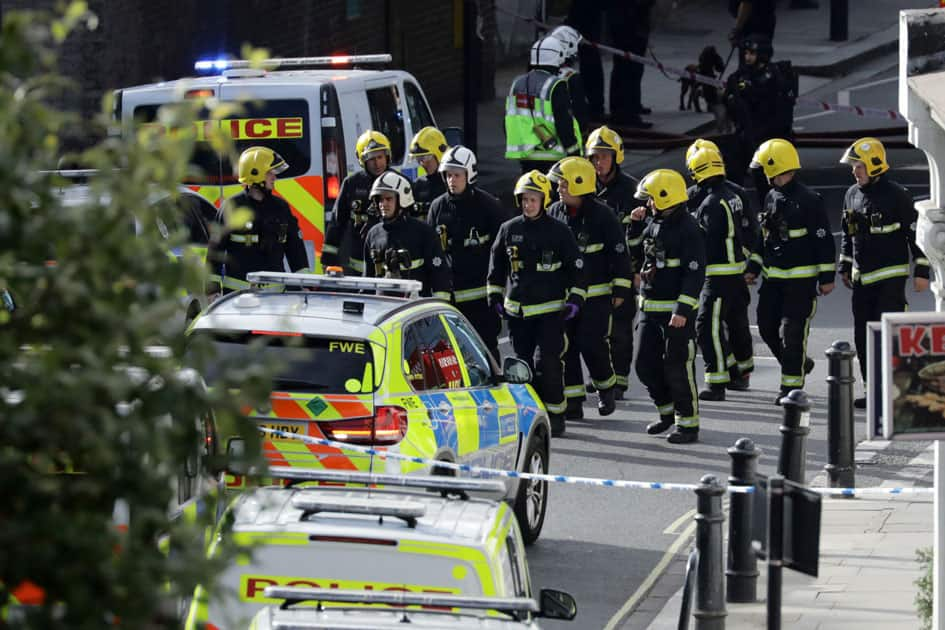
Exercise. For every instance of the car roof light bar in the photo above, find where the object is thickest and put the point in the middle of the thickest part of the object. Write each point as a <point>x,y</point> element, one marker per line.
<point>295,594</point>
<point>260,279</point>
<point>293,62</point>
<point>405,481</point>
<point>408,511</point>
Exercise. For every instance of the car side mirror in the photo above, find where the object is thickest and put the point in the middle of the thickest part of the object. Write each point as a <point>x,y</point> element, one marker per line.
<point>557,604</point>
<point>454,136</point>
<point>516,371</point>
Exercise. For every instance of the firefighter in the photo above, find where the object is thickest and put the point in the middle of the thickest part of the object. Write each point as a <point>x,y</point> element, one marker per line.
<point>466,220</point>
<point>878,229</point>
<point>540,127</point>
<point>270,234</point>
<point>571,39</point>
<point>427,148</point>
<point>401,246</point>
<point>672,275</point>
<point>538,258</point>
<point>353,215</point>
<point>722,324</point>
<point>609,283</point>
<point>604,148</point>
<point>796,257</point>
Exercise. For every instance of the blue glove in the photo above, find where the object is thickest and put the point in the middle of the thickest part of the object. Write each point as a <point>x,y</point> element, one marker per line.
<point>499,309</point>
<point>570,311</point>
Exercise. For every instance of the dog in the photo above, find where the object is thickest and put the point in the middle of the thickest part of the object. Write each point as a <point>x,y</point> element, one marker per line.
<point>710,63</point>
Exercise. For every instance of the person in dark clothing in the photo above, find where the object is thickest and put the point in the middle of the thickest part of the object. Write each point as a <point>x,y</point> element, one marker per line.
<point>427,148</point>
<point>269,237</point>
<point>467,219</point>
<point>751,16</point>
<point>401,246</point>
<point>630,31</point>
<point>569,72</point>
<point>586,17</point>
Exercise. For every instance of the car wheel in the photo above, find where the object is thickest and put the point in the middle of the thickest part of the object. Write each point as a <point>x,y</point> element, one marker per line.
<point>532,498</point>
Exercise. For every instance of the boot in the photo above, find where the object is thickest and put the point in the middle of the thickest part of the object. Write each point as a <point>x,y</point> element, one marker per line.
<point>665,422</point>
<point>808,365</point>
<point>589,387</point>
<point>683,435</point>
<point>713,393</point>
<point>557,424</point>
<point>784,392</point>
<point>606,403</point>
<point>739,383</point>
<point>619,392</point>
<point>859,403</point>
<point>575,410</point>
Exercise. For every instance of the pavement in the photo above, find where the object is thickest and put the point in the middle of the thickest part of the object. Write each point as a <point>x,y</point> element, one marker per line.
<point>868,545</point>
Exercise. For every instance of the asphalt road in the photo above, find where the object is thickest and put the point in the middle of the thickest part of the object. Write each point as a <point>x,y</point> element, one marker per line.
<point>608,546</point>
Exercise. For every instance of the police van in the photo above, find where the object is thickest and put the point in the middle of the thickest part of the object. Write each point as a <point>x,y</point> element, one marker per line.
<point>309,110</point>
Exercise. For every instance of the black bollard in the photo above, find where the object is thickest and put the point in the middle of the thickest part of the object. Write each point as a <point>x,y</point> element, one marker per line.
<point>840,468</point>
<point>775,536</point>
<point>741,576</point>
<point>794,430</point>
<point>710,589</point>
<point>839,20</point>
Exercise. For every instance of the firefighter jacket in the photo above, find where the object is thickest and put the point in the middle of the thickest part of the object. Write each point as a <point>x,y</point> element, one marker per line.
<point>600,238</point>
<point>724,216</point>
<point>879,232</point>
<point>673,272</point>
<point>270,235</point>
<point>796,239</point>
<point>350,221</point>
<point>539,122</point>
<point>405,247</point>
<point>618,195</point>
<point>425,190</point>
<point>466,225</point>
<point>540,261</point>
<point>758,105</point>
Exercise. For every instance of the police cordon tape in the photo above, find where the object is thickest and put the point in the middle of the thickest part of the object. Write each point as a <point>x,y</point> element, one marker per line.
<point>565,479</point>
<point>867,112</point>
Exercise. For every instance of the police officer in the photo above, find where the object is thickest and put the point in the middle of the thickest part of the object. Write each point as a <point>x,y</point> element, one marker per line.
<point>353,216</point>
<point>270,234</point>
<point>609,283</point>
<point>878,228</point>
<point>722,323</point>
<point>540,127</point>
<point>466,220</point>
<point>604,148</point>
<point>427,148</point>
<point>671,278</point>
<point>401,246</point>
<point>797,258</point>
<point>538,258</point>
<point>571,39</point>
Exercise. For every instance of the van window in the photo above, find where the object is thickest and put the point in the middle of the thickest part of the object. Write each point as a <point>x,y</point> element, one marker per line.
<point>387,116</point>
<point>420,115</point>
<point>429,357</point>
<point>281,125</point>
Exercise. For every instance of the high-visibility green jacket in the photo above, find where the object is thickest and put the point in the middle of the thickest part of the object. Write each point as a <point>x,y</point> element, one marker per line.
<point>539,123</point>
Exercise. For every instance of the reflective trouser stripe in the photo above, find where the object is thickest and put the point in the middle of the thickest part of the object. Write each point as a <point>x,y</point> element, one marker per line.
<point>329,249</point>
<point>718,371</point>
<point>574,391</point>
<point>494,289</point>
<point>468,295</point>
<point>885,273</point>
<point>693,420</point>
<point>622,381</point>
<point>556,407</point>
<point>746,366</point>
<point>607,384</point>
<point>665,410</point>
<point>794,380</point>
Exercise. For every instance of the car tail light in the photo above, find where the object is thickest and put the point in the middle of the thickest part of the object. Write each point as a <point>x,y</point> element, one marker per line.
<point>388,426</point>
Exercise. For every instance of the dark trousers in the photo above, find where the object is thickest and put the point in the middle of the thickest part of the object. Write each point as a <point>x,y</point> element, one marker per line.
<point>546,334</point>
<point>589,337</point>
<point>722,329</point>
<point>486,322</point>
<point>621,340</point>
<point>539,165</point>
<point>666,361</point>
<point>785,311</point>
<point>592,71</point>
<point>869,303</point>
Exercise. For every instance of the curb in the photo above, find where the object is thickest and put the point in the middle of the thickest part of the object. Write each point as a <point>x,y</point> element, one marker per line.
<point>888,43</point>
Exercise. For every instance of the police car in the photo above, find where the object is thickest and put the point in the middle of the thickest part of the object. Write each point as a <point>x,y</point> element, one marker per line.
<point>309,110</point>
<point>392,536</point>
<point>403,374</point>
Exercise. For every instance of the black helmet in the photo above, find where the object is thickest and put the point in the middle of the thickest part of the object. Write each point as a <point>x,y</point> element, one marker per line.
<point>760,45</point>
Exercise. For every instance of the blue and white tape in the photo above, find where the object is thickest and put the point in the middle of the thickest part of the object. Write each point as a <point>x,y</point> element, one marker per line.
<point>567,479</point>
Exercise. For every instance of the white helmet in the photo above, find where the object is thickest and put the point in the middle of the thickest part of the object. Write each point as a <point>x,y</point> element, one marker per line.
<point>460,157</point>
<point>568,36</point>
<point>549,51</point>
<point>392,181</point>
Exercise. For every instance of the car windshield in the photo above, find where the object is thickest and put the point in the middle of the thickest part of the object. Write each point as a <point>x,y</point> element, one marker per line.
<point>302,363</point>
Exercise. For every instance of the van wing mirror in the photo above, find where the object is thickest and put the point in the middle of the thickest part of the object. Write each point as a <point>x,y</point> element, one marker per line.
<point>557,604</point>
<point>516,371</point>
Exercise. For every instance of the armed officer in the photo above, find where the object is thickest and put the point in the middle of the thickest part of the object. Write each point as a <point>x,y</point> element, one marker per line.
<point>878,227</point>
<point>797,258</point>
<point>672,275</point>
<point>427,148</point>
<point>268,238</point>
<point>538,258</point>
<point>353,215</point>
<point>466,220</point>
<point>609,283</point>
<point>401,246</point>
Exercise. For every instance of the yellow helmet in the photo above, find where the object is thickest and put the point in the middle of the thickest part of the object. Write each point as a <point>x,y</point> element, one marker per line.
<point>776,156</point>
<point>705,163</point>
<point>428,141</point>
<point>870,152</point>
<point>701,143</point>
<point>533,181</point>
<point>578,172</point>
<point>370,141</point>
<point>665,187</point>
<point>605,138</point>
<point>256,162</point>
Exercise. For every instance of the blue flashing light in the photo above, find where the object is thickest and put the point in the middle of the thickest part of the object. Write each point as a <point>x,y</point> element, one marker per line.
<point>211,64</point>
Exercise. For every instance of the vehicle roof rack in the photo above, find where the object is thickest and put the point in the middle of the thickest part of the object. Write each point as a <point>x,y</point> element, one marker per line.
<point>295,595</point>
<point>333,61</point>
<point>446,485</point>
<point>407,511</point>
<point>408,288</point>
